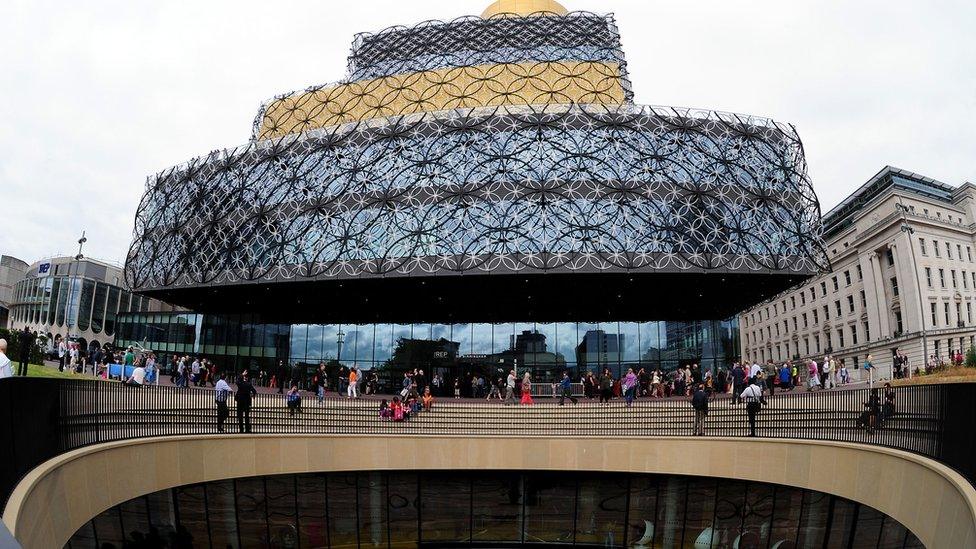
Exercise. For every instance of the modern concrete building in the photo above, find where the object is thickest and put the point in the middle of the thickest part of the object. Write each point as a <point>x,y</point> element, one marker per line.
<point>62,297</point>
<point>903,280</point>
<point>11,271</point>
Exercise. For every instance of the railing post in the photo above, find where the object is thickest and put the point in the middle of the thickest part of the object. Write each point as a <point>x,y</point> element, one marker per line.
<point>98,437</point>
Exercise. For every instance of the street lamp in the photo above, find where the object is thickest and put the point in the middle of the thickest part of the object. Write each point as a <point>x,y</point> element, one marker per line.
<point>71,286</point>
<point>909,230</point>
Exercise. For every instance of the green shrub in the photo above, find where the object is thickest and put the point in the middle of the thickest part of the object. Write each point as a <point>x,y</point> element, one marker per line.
<point>971,357</point>
<point>13,346</point>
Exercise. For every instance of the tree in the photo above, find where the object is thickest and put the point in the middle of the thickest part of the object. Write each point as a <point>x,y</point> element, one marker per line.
<point>971,357</point>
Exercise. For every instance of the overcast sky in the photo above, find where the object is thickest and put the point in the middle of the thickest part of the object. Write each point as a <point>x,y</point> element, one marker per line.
<point>97,95</point>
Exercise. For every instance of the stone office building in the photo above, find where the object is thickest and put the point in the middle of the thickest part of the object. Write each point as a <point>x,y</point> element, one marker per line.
<point>902,280</point>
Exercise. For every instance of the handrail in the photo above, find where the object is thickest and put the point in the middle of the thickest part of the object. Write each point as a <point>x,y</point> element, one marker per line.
<point>67,414</point>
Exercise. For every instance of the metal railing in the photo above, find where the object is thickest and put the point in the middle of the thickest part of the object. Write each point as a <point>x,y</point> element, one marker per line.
<point>930,420</point>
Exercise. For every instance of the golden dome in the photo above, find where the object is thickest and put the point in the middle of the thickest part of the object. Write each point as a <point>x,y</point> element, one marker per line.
<point>524,7</point>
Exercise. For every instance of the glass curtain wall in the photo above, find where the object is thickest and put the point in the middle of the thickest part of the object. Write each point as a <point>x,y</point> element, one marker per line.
<point>491,508</point>
<point>452,350</point>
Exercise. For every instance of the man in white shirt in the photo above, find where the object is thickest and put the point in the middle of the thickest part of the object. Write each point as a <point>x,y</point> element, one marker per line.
<point>221,392</point>
<point>5,370</point>
<point>754,371</point>
<point>195,370</point>
<point>138,377</point>
<point>62,351</point>
<point>828,377</point>
<point>753,396</point>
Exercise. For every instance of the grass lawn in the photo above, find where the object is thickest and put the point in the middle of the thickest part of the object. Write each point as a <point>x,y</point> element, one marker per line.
<point>36,370</point>
<point>959,374</point>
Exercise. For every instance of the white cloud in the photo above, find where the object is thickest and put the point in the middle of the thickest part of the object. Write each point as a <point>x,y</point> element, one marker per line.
<point>97,95</point>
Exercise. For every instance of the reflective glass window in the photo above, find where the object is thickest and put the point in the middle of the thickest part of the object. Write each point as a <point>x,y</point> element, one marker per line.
<point>222,513</point>
<point>445,504</point>
<point>497,507</point>
<point>550,504</point>
<point>192,503</point>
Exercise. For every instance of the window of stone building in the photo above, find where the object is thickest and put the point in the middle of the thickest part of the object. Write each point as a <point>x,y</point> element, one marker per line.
<point>965,282</point>
<point>898,327</point>
<point>921,245</point>
<point>935,246</point>
<point>948,250</point>
<point>816,342</point>
<point>953,273</point>
<point>847,277</point>
<point>945,306</point>
<point>850,303</point>
<point>823,288</point>
<point>836,287</point>
<point>864,300</point>
<point>853,335</point>
<point>935,318</point>
<point>805,320</point>
<point>840,339</point>
<point>894,286</point>
<point>860,274</point>
<point>969,312</point>
<point>816,317</point>
<point>867,332</point>
<point>890,256</point>
<point>942,278</point>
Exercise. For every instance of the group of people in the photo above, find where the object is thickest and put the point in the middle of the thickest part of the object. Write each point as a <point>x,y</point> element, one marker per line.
<point>409,406</point>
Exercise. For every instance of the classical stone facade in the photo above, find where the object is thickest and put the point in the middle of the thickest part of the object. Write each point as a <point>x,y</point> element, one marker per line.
<point>903,279</point>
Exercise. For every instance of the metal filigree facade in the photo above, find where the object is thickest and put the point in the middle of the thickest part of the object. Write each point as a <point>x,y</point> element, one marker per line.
<point>499,178</point>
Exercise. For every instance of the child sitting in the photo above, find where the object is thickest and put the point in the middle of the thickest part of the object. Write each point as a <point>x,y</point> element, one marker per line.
<point>397,409</point>
<point>385,412</point>
<point>294,399</point>
<point>428,399</point>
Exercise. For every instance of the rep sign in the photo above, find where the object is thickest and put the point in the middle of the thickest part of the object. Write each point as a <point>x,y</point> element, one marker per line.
<point>44,269</point>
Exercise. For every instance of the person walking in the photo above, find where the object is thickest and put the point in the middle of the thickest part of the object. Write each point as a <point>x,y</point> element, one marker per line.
<point>813,375</point>
<point>699,401</point>
<point>221,392</point>
<point>566,390</point>
<point>510,388</point>
<point>753,396</point>
<point>352,390</point>
<point>27,339</point>
<point>243,397</point>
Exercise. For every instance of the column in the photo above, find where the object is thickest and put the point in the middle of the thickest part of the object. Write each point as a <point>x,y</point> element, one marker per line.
<point>870,296</point>
<point>884,328</point>
<point>907,272</point>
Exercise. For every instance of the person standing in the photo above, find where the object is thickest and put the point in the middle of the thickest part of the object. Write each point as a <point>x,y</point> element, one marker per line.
<point>630,386</point>
<point>27,339</point>
<point>320,380</point>
<point>221,392</point>
<point>527,389</point>
<point>5,369</point>
<point>699,401</point>
<point>566,390</point>
<point>753,395</point>
<point>353,389</point>
<point>738,383</point>
<point>813,375</point>
<point>62,352</point>
<point>829,373</point>
<point>869,368</point>
<point>282,372</point>
<point>243,397</point>
<point>510,388</point>
<point>606,387</point>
